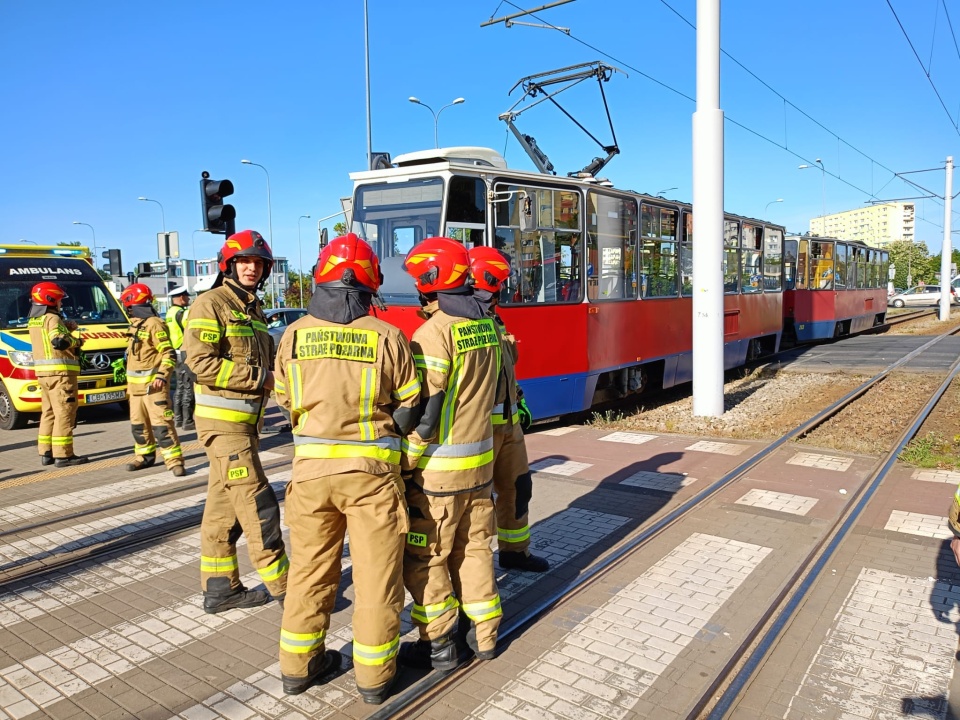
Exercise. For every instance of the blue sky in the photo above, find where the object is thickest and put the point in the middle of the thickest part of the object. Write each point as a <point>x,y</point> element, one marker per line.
<point>107,101</point>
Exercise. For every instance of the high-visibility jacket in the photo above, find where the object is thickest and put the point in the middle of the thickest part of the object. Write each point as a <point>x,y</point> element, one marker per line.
<point>230,351</point>
<point>505,411</point>
<point>459,357</point>
<point>56,350</point>
<point>342,385</point>
<point>176,324</point>
<point>149,354</point>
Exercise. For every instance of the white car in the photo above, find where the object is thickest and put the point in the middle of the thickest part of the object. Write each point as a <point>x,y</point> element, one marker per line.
<point>920,295</point>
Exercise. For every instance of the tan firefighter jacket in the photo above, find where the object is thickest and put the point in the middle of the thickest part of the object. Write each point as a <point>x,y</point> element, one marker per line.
<point>459,358</point>
<point>230,351</point>
<point>149,354</point>
<point>343,386</point>
<point>56,350</point>
<point>507,384</point>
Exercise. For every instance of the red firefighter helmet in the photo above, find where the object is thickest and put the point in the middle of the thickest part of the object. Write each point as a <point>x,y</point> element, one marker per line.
<point>246,243</point>
<point>489,268</point>
<point>136,294</point>
<point>438,264</point>
<point>348,253</point>
<point>47,293</point>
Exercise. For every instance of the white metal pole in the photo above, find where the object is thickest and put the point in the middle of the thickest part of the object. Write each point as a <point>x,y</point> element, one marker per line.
<point>708,217</point>
<point>946,256</point>
<point>366,50</point>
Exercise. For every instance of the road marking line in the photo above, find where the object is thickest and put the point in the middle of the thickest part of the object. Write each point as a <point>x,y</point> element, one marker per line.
<point>938,476</point>
<point>889,653</point>
<point>718,448</point>
<point>603,667</point>
<point>781,502</point>
<point>932,526</point>
<point>667,482</point>
<point>560,539</point>
<point>559,467</point>
<point>556,432</point>
<point>822,462</point>
<point>628,437</point>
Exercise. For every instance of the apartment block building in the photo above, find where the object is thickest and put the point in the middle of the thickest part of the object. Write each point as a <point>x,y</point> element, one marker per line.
<point>876,225</point>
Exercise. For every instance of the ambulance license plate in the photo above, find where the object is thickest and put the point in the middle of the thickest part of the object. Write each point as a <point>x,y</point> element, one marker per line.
<point>114,396</point>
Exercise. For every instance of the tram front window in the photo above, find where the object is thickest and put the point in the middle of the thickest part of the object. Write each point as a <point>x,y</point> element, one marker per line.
<point>393,217</point>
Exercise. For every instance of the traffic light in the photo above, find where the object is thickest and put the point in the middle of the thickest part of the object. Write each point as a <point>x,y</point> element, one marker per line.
<point>217,217</point>
<point>114,267</point>
<point>144,269</point>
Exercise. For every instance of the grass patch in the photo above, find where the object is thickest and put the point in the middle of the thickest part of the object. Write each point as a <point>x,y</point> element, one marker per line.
<point>932,451</point>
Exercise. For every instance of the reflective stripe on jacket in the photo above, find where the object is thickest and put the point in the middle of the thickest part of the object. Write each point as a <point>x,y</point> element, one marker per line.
<point>176,324</point>
<point>461,358</point>
<point>507,386</point>
<point>149,354</point>
<point>230,351</point>
<point>342,385</point>
<point>45,332</point>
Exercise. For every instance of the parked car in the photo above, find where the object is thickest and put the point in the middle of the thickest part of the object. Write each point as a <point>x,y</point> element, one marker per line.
<point>279,318</point>
<point>920,295</point>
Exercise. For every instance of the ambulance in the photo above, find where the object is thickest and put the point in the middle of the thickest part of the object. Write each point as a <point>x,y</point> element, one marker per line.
<point>101,320</point>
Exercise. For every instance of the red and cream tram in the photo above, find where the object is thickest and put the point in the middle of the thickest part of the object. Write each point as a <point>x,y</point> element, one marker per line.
<point>832,288</point>
<point>600,294</point>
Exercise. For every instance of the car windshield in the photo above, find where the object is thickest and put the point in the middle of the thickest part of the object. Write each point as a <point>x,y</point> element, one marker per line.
<point>87,299</point>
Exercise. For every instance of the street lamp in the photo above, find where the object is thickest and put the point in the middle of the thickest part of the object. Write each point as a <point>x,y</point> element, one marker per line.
<point>273,277</point>
<point>823,188</point>
<point>300,250</point>
<point>163,218</point>
<point>771,203</point>
<point>436,115</point>
<point>77,222</point>
<point>665,190</point>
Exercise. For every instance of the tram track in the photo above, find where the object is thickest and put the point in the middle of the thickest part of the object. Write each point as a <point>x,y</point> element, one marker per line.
<point>412,701</point>
<point>735,674</point>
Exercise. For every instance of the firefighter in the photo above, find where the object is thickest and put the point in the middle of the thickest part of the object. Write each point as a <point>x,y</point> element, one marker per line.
<point>511,473</point>
<point>230,352</point>
<point>350,385</point>
<point>448,562</point>
<point>151,361</point>
<point>56,361</point>
<point>176,318</point>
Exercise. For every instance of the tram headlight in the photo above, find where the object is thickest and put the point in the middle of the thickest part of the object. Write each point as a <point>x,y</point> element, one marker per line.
<point>22,357</point>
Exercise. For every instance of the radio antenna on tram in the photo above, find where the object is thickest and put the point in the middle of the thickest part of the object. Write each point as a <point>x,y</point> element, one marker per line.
<point>568,77</point>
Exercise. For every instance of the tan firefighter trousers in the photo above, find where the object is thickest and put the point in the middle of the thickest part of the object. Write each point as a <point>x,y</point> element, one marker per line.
<point>509,465</point>
<point>448,563</point>
<point>58,414</point>
<point>151,422</point>
<point>240,500</point>
<point>319,510</point>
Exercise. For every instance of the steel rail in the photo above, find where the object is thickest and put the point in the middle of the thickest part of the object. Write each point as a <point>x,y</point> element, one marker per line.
<point>412,700</point>
<point>809,571</point>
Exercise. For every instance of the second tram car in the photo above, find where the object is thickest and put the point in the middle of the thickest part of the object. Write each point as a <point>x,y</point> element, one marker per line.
<point>600,294</point>
<point>832,288</point>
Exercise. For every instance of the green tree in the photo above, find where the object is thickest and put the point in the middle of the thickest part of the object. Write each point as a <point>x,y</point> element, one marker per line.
<point>910,259</point>
<point>339,229</point>
<point>935,260</point>
<point>292,295</point>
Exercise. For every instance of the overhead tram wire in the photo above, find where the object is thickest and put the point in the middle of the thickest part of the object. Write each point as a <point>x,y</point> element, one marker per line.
<point>729,119</point>
<point>925,71</point>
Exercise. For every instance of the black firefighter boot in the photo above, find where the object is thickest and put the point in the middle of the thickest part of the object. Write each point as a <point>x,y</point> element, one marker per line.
<point>376,695</point>
<point>47,458</point>
<point>142,462</point>
<point>319,668</point>
<point>467,638</point>
<point>218,597</point>
<point>440,654</point>
<point>523,561</point>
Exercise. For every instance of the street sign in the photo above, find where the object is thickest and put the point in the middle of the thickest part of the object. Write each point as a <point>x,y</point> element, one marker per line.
<point>168,245</point>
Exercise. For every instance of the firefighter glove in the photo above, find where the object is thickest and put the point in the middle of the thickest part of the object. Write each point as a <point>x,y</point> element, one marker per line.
<point>526,419</point>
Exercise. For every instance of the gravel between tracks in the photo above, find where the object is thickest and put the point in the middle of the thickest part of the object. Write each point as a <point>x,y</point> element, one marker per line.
<point>767,403</point>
